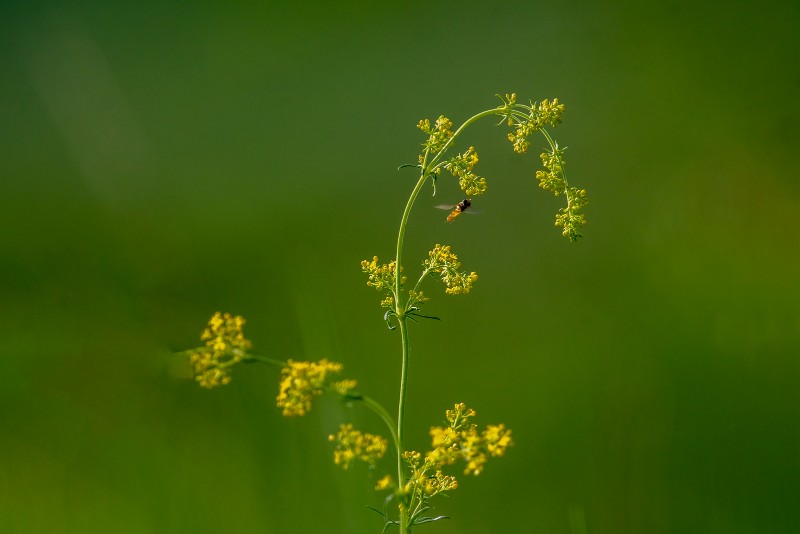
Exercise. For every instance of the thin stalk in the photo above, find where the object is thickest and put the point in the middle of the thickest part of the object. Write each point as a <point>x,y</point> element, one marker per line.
<point>368,402</point>
<point>400,240</point>
<point>488,112</point>
<point>382,413</point>
<point>400,306</point>
<point>560,164</point>
<point>416,286</point>
<point>402,322</point>
<point>401,408</point>
<point>560,161</point>
<point>264,359</point>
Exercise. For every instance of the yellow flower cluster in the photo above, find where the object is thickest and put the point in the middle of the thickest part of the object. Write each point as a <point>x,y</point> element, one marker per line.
<point>302,381</point>
<point>421,485</point>
<point>497,439</point>
<point>461,167</point>
<point>527,119</point>
<point>546,113</point>
<point>569,218</point>
<point>225,346</point>
<point>553,179</point>
<point>384,483</point>
<point>380,276</point>
<point>459,283</point>
<point>461,440</point>
<point>443,261</point>
<point>416,297</point>
<point>442,255</point>
<point>438,135</point>
<point>439,483</point>
<point>354,445</point>
<point>344,387</point>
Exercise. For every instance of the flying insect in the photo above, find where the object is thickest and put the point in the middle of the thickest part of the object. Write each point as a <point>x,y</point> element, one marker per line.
<point>457,210</point>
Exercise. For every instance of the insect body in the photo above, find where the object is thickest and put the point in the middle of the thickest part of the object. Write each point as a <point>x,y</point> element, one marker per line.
<point>460,208</point>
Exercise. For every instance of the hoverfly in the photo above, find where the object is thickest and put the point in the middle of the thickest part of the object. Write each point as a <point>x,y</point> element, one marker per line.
<point>457,210</point>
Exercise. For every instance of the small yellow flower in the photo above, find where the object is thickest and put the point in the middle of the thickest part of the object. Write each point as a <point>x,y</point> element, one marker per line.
<point>382,277</point>
<point>497,439</point>
<point>461,167</point>
<point>412,457</point>
<point>569,217</point>
<point>225,346</point>
<point>344,387</point>
<point>462,441</point>
<point>553,179</point>
<point>352,444</point>
<point>473,452</point>
<point>459,415</point>
<point>546,113</point>
<point>384,483</point>
<point>301,382</point>
<point>439,483</point>
<point>438,135</point>
<point>444,441</point>
<point>550,112</point>
<point>443,261</point>
<point>443,436</point>
<point>417,297</point>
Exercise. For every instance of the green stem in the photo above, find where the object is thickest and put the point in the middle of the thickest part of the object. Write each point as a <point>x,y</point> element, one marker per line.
<point>416,286</point>
<point>561,165</point>
<point>560,161</point>
<point>264,359</point>
<point>427,168</point>
<point>401,308</point>
<point>401,478</point>
<point>400,311</point>
<point>382,413</point>
<point>370,403</point>
<point>400,239</point>
<point>494,111</point>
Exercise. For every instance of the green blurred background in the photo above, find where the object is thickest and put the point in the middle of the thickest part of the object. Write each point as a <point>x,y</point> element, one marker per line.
<point>160,163</point>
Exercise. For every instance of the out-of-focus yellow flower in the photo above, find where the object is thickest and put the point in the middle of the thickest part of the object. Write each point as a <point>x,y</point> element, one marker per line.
<point>302,381</point>
<point>344,387</point>
<point>472,450</point>
<point>462,441</point>
<point>459,415</point>
<point>354,445</point>
<point>384,483</point>
<point>225,346</point>
<point>439,483</point>
<point>497,439</point>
